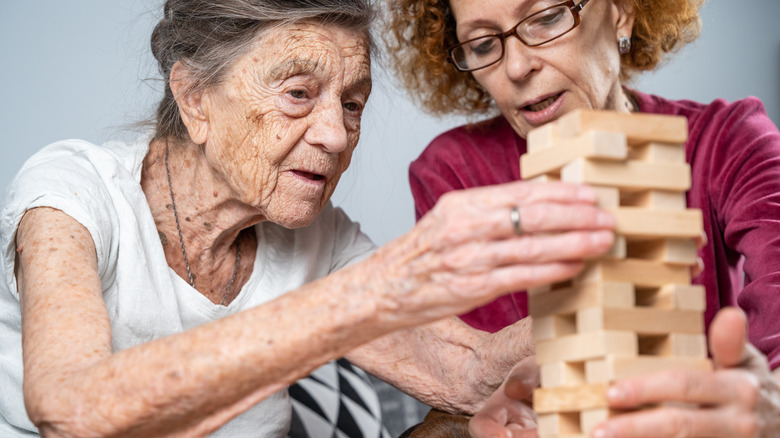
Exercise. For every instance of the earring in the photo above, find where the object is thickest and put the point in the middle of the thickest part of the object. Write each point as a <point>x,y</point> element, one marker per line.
<point>624,45</point>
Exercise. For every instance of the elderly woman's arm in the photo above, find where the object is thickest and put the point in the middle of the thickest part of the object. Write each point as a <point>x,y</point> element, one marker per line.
<point>447,364</point>
<point>461,255</point>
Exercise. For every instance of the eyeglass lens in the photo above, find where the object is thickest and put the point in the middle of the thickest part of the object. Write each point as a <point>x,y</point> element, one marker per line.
<point>534,30</point>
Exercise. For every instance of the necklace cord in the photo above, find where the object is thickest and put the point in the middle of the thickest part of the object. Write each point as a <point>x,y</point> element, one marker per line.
<point>181,239</point>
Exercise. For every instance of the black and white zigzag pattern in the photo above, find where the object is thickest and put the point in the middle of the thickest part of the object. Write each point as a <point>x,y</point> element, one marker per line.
<point>336,401</point>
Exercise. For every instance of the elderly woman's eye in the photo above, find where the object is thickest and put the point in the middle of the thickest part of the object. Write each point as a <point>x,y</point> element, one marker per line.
<point>298,94</point>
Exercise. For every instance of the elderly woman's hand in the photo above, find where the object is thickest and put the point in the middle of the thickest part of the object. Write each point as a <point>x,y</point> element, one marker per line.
<point>508,413</point>
<point>741,398</point>
<point>470,249</point>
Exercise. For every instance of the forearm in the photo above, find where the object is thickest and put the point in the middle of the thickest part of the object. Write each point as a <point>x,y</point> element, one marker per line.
<point>446,364</point>
<point>189,383</point>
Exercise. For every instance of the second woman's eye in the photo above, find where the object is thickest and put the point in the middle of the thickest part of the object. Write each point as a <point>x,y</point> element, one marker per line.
<point>351,106</point>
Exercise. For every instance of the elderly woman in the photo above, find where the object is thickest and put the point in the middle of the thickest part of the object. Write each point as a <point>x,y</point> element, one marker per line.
<point>536,60</point>
<point>177,285</point>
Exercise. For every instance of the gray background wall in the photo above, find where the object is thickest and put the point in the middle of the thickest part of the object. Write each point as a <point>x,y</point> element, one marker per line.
<point>83,69</point>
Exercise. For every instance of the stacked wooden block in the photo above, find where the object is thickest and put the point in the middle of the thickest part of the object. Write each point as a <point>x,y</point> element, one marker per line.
<point>632,311</point>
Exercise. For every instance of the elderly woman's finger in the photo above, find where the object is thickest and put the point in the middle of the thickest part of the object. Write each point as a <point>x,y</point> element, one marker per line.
<point>448,227</point>
<point>544,248</point>
<point>677,422</point>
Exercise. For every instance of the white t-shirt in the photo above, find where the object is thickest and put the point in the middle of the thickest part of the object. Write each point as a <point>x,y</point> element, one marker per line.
<point>99,186</point>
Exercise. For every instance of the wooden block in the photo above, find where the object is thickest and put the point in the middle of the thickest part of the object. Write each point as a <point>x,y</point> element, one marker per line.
<point>556,424</point>
<point>614,368</point>
<point>628,175</point>
<point>642,273</point>
<point>673,345</point>
<point>592,418</point>
<point>545,178</point>
<point>540,138</point>
<point>655,152</point>
<point>655,200</point>
<point>570,399</point>
<point>617,251</point>
<point>638,128</point>
<point>642,320</point>
<point>674,251</point>
<point>547,288</point>
<point>639,223</point>
<point>673,296</point>
<point>608,197</point>
<point>569,300</point>
<point>558,374</point>
<point>586,346</point>
<point>596,145</point>
<point>553,326</point>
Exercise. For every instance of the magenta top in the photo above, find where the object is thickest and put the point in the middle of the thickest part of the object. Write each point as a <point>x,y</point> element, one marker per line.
<point>734,153</point>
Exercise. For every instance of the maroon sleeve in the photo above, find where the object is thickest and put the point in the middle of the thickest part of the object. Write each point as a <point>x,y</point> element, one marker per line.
<point>745,192</point>
<point>471,156</point>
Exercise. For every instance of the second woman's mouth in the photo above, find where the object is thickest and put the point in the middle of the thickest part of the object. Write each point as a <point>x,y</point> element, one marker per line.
<point>540,105</point>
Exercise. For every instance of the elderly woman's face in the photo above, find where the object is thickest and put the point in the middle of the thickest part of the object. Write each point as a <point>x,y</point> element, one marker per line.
<point>534,85</point>
<point>283,124</point>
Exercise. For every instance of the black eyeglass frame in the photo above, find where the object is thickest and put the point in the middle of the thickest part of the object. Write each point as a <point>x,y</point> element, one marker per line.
<point>574,8</point>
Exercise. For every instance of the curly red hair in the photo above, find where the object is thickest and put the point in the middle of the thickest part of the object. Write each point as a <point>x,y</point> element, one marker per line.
<point>421,31</point>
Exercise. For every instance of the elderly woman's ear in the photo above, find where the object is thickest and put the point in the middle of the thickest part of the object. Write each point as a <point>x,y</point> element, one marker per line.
<point>190,104</point>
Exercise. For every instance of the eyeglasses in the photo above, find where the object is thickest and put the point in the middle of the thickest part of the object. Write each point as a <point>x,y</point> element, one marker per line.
<point>536,29</point>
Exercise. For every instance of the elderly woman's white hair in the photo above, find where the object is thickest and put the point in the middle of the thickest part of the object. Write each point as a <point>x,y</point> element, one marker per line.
<point>208,36</point>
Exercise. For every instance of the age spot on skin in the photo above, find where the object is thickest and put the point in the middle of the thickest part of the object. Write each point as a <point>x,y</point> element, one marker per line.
<point>208,226</point>
<point>163,238</point>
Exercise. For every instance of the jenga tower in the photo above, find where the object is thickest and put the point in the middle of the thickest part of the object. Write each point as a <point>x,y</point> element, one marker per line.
<point>632,311</point>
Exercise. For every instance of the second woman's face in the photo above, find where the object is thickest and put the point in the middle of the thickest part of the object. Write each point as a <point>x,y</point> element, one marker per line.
<point>283,124</point>
<point>535,85</point>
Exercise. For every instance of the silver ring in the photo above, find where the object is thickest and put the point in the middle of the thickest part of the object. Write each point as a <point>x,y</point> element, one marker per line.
<point>514,215</point>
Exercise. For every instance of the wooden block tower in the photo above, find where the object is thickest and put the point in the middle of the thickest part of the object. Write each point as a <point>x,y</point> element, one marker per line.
<point>632,311</point>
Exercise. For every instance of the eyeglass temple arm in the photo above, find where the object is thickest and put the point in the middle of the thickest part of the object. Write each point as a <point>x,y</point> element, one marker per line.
<point>580,5</point>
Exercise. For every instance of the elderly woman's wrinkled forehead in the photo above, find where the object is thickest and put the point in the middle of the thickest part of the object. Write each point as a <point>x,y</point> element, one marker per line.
<point>306,47</point>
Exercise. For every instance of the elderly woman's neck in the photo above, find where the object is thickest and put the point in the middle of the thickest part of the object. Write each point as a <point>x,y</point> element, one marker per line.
<point>180,186</point>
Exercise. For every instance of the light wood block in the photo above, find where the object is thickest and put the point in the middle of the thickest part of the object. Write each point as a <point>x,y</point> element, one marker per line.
<point>618,250</point>
<point>586,346</point>
<point>595,145</point>
<point>556,424</point>
<point>562,374</point>
<point>573,298</point>
<point>655,152</point>
<point>541,137</point>
<point>638,128</point>
<point>613,368</point>
<point>673,296</point>
<point>642,320</point>
<point>655,200</point>
<point>553,326</point>
<point>608,197</point>
<point>673,345</point>
<point>640,223</point>
<point>545,178</point>
<point>570,399</point>
<point>628,175</point>
<point>592,418</point>
<point>642,273</point>
<point>674,251</point>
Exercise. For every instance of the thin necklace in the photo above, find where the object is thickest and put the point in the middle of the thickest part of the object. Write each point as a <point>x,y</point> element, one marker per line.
<point>181,239</point>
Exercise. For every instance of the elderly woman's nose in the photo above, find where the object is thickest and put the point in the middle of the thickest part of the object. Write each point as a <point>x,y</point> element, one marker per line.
<point>519,59</point>
<point>327,129</point>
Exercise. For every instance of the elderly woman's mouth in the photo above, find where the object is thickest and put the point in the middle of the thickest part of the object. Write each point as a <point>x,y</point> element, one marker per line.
<point>308,175</point>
